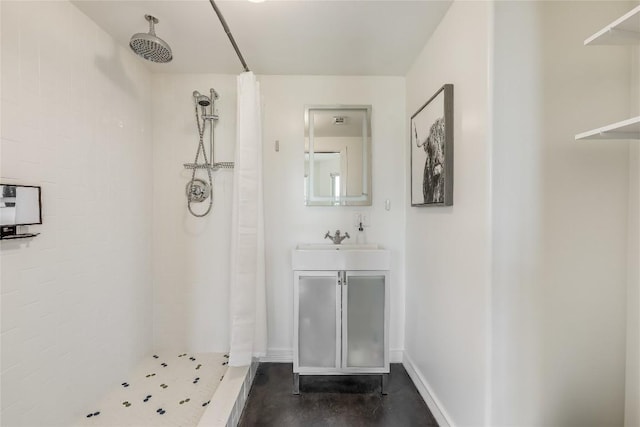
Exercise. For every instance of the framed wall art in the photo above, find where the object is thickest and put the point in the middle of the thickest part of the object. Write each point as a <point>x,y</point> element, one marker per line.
<point>432,151</point>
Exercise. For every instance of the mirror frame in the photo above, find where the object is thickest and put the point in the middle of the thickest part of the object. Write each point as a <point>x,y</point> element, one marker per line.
<point>365,199</point>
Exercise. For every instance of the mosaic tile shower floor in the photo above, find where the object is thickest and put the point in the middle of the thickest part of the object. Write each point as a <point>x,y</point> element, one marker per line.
<point>162,391</point>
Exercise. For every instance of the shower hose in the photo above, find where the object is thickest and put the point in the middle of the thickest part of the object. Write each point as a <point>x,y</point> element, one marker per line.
<point>191,195</point>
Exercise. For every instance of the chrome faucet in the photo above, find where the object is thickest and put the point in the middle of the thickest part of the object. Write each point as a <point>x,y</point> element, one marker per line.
<point>336,238</point>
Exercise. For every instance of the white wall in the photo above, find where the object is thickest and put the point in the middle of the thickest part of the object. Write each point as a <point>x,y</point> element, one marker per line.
<point>75,300</point>
<point>632,388</point>
<point>190,255</point>
<point>288,222</point>
<point>447,248</point>
<point>559,217</point>
<point>632,378</point>
<point>191,260</point>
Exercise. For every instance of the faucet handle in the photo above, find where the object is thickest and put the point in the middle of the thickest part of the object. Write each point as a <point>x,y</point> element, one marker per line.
<point>347,235</point>
<point>328,235</point>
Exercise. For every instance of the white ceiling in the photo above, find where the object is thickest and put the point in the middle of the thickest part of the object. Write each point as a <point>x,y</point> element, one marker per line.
<point>307,37</point>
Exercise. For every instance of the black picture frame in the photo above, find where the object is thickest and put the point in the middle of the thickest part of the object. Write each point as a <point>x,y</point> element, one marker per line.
<point>431,139</point>
<point>39,202</point>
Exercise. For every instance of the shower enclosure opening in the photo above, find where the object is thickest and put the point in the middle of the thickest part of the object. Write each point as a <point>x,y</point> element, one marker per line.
<point>200,188</point>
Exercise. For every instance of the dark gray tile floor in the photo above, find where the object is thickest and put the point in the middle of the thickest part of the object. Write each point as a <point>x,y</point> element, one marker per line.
<point>333,400</point>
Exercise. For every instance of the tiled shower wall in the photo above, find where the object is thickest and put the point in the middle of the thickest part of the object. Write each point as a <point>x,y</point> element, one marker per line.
<point>76,300</point>
<point>191,255</point>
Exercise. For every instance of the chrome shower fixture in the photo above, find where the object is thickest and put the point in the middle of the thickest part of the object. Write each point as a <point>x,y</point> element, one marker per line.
<point>199,190</point>
<point>202,100</point>
<point>205,100</point>
<point>149,46</point>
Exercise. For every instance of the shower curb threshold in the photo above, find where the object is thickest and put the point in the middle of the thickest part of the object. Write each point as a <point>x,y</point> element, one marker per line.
<point>230,397</point>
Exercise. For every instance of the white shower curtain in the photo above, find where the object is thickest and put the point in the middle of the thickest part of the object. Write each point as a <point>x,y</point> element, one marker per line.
<point>248,301</point>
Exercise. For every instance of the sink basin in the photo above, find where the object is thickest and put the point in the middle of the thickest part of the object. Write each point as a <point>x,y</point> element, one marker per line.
<point>331,247</point>
<point>322,256</point>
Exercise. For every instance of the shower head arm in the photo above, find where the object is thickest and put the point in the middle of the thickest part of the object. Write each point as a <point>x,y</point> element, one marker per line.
<point>152,21</point>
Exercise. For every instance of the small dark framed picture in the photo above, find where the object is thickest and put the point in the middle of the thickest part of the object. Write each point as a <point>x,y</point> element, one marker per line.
<point>432,151</point>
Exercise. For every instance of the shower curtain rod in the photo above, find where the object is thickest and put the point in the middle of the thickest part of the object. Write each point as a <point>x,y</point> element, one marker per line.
<point>228,31</point>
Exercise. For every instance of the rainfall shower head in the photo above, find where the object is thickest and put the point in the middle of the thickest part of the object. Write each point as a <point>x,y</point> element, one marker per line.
<point>149,46</point>
<point>202,100</point>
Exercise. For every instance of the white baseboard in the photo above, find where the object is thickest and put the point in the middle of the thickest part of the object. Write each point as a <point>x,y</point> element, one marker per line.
<point>285,355</point>
<point>435,406</point>
<point>278,355</point>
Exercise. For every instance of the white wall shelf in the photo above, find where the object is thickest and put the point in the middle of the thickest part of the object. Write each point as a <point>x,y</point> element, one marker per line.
<point>626,129</point>
<point>625,30</point>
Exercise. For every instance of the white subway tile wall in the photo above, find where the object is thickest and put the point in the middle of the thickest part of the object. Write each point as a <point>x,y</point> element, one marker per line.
<point>191,255</point>
<point>76,301</point>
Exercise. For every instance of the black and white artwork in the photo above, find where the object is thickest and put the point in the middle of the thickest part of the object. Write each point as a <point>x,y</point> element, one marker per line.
<point>432,151</point>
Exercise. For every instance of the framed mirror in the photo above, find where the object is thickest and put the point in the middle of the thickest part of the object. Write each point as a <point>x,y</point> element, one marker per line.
<point>337,155</point>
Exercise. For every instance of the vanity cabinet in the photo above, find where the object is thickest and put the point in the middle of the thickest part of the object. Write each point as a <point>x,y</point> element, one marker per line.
<point>341,323</point>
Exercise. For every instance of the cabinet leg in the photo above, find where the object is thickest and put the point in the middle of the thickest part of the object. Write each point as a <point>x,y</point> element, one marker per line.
<point>296,383</point>
<point>384,381</point>
<point>384,384</point>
